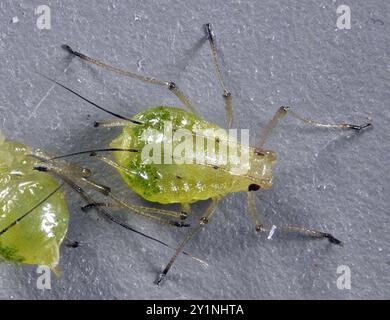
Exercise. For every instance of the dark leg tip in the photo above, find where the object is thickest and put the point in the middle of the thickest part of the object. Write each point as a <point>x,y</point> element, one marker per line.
<point>73,244</point>
<point>67,48</point>
<point>357,127</point>
<point>183,215</point>
<point>71,51</point>
<point>96,124</point>
<point>41,168</point>
<point>106,190</point>
<point>182,225</point>
<point>208,30</point>
<point>259,228</point>
<point>160,279</point>
<point>333,239</point>
<point>87,207</point>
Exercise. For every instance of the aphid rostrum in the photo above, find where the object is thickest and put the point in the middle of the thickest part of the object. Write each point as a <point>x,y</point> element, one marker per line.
<point>34,215</point>
<point>188,183</point>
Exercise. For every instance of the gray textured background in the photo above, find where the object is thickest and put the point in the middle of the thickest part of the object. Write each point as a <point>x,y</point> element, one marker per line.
<point>274,53</point>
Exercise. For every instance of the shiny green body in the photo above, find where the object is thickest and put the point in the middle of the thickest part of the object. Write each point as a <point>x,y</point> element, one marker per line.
<point>37,238</point>
<point>182,183</point>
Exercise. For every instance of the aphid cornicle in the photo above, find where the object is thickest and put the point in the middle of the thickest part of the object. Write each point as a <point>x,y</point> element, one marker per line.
<point>187,183</point>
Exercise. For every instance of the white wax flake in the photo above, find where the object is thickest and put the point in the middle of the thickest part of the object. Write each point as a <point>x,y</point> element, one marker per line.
<point>140,64</point>
<point>15,19</point>
<point>271,232</point>
<point>137,17</point>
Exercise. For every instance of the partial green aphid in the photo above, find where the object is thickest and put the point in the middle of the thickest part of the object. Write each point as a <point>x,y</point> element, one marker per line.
<point>35,240</point>
<point>183,183</point>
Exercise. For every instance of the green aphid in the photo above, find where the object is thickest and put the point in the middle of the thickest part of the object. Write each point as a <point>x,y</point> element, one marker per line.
<point>35,240</point>
<point>186,183</point>
<point>183,183</point>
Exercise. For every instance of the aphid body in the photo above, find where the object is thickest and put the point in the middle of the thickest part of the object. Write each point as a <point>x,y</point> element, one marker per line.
<point>183,183</point>
<point>37,239</point>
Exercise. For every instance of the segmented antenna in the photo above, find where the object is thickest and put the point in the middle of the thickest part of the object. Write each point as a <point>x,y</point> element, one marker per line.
<point>29,211</point>
<point>89,101</point>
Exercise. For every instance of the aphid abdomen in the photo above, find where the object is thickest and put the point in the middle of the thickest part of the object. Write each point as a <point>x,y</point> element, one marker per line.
<point>171,183</point>
<point>37,238</point>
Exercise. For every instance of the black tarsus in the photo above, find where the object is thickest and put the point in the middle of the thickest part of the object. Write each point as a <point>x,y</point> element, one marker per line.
<point>357,127</point>
<point>71,51</point>
<point>90,206</point>
<point>332,239</point>
<point>41,168</point>
<point>182,225</point>
<point>209,32</point>
<point>183,215</point>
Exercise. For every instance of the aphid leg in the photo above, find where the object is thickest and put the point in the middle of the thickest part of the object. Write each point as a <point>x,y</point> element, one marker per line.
<point>295,229</point>
<point>284,110</point>
<point>312,233</point>
<point>171,86</point>
<point>202,222</point>
<point>185,210</point>
<point>99,209</point>
<point>253,211</point>
<point>122,206</point>
<point>145,212</point>
<point>227,96</point>
<point>98,187</point>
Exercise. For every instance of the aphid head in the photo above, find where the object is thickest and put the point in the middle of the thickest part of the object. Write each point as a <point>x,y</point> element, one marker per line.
<point>261,165</point>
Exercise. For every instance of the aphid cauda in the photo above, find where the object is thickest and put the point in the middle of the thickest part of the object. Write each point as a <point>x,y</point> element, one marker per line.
<point>34,215</point>
<point>187,183</point>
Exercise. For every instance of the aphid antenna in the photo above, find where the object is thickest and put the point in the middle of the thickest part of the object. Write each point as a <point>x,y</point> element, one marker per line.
<point>25,215</point>
<point>89,101</point>
<point>93,152</point>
